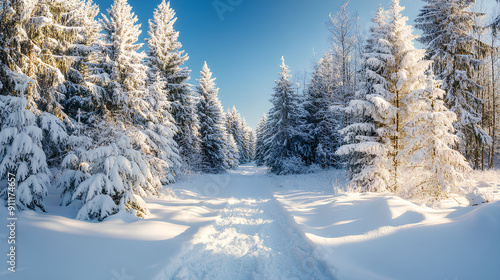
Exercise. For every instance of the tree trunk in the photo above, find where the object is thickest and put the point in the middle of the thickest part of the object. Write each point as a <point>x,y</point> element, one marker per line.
<point>491,163</point>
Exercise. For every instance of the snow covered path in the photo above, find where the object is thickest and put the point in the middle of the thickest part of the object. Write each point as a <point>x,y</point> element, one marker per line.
<point>251,238</point>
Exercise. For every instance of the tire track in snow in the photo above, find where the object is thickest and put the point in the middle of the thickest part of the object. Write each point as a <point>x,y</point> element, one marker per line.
<point>251,238</point>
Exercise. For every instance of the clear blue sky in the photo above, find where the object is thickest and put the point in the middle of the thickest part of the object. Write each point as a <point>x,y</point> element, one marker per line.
<point>244,48</point>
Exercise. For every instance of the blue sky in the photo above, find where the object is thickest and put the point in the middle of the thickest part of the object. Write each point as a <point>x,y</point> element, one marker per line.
<point>243,45</point>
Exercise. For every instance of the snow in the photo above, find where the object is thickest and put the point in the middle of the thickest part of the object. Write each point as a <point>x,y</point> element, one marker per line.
<point>249,224</point>
<point>380,236</point>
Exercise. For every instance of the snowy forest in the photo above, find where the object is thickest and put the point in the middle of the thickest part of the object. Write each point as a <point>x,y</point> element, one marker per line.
<point>101,131</point>
<point>119,124</point>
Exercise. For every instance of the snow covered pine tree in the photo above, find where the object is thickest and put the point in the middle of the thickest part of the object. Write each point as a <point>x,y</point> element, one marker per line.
<point>260,132</point>
<point>167,58</point>
<point>286,138</point>
<point>436,166</point>
<point>21,154</point>
<point>366,149</point>
<point>447,32</point>
<point>121,174</point>
<point>394,70</point>
<point>212,128</point>
<point>323,121</point>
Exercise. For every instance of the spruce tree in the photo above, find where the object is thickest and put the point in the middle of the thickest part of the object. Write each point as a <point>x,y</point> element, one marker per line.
<point>166,56</point>
<point>120,177</point>
<point>286,139</point>
<point>323,123</point>
<point>365,147</point>
<point>402,71</point>
<point>235,127</point>
<point>212,130</point>
<point>123,62</point>
<point>18,65</point>
<point>21,154</point>
<point>66,42</point>
<point>75,167</point>
<point>447,27</point>
<point>259,142</point>
<point>84,76</point>
<point>406,72</point>
<point>121,161</point>
<point>159,131</point>
<point>248,141</point>
<point>437,168</point>
<point>231,151</point>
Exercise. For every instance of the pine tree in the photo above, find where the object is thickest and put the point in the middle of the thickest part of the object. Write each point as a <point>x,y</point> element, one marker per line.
<point>323,122</point>
<point>406,73</point>
<point>231,151</point>
<point>66,41</point>
<point>123,62</point>
<point>21,154</point>
<point>27,59</point>
<point>17,65</point>
<point>123,161</point>
<point>365,147</point>
<point>84,76</point>
<point>234,126</point>
<point>395,70</point>
<point>165,55</point>
<point>447,27</point>
<point>286,139</point>
<point>120,177</point>
<point>159,131</point>
<point>248,141</point>
<point>76,169</point>
<point>260,153</point>
<point>212,130</point>
<point>437,167</point>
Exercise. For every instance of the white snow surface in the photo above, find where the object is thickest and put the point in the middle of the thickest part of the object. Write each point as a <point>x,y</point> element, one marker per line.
<point>247,224</point>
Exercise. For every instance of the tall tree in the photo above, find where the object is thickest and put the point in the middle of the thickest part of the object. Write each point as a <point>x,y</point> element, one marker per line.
<point>67,42</point>
<point>248,141</point>
<point>84,76</point>
<point>323,123</point>
<point>393,70</point>
<point>343,28</point>
<point>437,167</point>
<point>260,153</point>
<point>406,73</point>
<point>366,143</point>
<point>159,131</point>
<point>447,27</point>
<point>166,56</point>
<point>231,151</point>
<point>121,170</point>
<point>212,127</point>
<point>18,75</point>
<point>235,128</point>
<point>286,140</point>
<point>123,63</point>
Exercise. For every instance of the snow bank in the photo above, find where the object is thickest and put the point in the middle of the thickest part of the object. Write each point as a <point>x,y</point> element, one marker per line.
<point>56,246</point>
<point>379,236</point>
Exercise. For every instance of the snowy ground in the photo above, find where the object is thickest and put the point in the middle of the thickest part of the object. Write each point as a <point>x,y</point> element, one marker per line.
<point>250,225</point>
